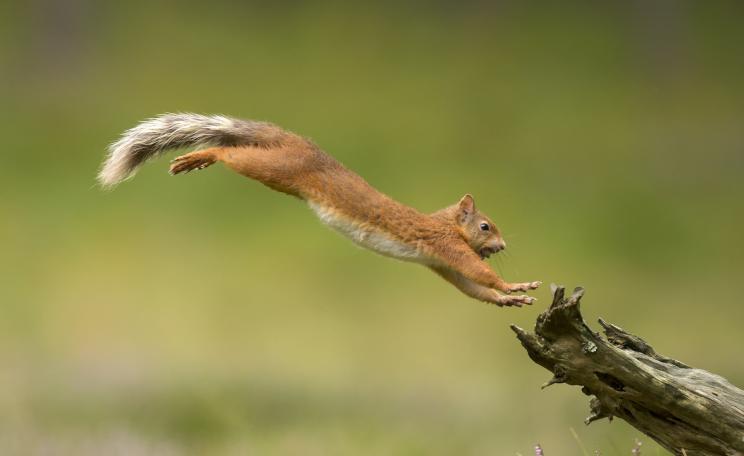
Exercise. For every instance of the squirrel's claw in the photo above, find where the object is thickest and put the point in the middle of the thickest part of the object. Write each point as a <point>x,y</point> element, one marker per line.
<point>517,301</point>
<point>526,286</point>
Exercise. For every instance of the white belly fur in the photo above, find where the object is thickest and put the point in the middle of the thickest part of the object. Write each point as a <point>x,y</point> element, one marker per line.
<point>366,236</point>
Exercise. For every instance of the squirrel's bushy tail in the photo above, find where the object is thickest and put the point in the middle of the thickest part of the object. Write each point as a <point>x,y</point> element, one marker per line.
<point>155,136</point>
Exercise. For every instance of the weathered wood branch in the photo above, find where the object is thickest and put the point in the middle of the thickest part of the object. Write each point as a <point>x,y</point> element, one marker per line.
<point>686,410</point>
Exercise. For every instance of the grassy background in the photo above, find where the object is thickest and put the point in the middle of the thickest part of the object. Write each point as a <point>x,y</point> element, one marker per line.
<point>206,315</point>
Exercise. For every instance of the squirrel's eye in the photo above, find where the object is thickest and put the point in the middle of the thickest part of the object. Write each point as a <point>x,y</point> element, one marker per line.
<point>484,227</point>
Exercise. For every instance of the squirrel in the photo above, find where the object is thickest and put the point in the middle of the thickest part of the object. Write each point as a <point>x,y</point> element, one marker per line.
<point>453,242</point>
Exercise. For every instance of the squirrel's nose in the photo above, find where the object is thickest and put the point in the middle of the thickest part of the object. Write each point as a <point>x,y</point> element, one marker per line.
<point>501,245</point>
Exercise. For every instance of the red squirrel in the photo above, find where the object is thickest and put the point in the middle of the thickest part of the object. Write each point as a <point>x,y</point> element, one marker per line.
<point>453,242</point>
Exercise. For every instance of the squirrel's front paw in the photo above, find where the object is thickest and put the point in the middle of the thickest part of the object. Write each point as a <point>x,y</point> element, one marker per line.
<point>519,301</point>
<point>526,286</point>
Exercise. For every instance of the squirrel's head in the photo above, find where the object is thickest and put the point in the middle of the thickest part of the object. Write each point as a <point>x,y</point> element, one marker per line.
<point>477,229</point>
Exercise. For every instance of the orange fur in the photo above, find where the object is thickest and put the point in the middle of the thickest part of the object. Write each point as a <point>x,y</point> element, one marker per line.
<point>452,241</point>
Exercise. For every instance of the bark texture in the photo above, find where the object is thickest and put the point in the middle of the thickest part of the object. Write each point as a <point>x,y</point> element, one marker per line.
<point>686,410</point>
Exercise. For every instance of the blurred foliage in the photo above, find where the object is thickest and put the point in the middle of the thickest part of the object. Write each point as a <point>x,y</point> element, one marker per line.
<point>207,315</point>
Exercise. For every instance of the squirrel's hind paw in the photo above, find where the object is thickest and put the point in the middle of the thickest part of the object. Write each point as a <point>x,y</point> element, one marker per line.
<point>190,162</point>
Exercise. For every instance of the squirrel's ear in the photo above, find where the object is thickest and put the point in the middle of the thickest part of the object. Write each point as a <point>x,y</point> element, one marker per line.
<point>465,208</point>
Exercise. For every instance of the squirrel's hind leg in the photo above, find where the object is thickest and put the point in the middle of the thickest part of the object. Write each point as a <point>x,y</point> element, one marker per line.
<point>199,159</point>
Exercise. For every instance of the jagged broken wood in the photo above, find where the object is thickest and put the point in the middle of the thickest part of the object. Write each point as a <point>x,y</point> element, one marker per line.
<point>686,410</point>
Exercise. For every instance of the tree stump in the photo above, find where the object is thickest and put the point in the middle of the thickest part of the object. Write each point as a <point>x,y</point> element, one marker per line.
<point>688,411</point>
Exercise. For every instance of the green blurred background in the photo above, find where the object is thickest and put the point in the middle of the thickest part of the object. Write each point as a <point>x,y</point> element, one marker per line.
<point>205,314</point>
